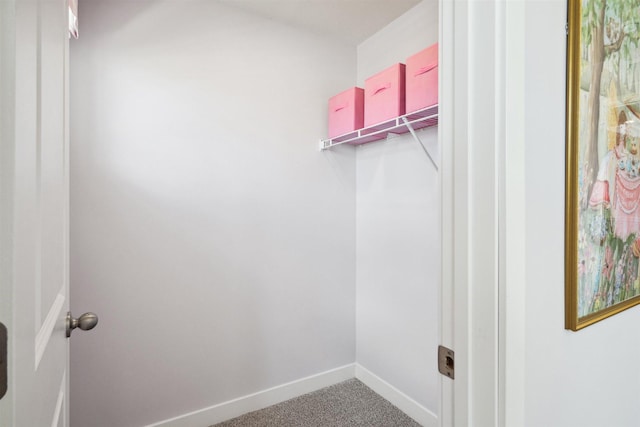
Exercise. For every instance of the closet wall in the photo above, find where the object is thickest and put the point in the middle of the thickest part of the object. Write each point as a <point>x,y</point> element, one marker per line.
<point>398,232</point>
<point>214,241</point>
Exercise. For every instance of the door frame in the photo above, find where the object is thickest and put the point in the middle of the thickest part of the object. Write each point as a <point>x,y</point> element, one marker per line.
<point>481,131</point>
<point>7,137</point>
<point>445,134</point>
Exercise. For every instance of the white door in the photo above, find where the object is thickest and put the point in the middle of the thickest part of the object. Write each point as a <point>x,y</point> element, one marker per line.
<point>34,196</point>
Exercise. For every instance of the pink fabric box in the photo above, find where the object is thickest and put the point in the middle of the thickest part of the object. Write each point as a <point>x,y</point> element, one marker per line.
<point>422,79</point>
<point>346,112</point>
<point>384,97</point>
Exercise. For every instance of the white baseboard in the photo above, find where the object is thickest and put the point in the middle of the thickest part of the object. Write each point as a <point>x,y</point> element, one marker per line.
<point>262,399</point>
<point>419,413</point>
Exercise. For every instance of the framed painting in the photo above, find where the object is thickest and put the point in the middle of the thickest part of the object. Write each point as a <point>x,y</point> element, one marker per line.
<point>602,206</point>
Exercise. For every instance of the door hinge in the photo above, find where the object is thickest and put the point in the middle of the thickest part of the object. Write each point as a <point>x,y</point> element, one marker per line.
<point>3,360</point>
<point>446,360</point>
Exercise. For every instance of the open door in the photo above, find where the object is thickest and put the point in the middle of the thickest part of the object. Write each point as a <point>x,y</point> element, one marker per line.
<point>34,197</point>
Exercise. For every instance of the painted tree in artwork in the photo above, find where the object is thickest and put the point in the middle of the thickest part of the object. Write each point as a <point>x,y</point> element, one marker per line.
<point>610,28</point>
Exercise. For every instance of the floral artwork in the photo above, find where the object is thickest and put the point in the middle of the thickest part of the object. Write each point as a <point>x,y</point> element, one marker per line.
<point>603,160</point>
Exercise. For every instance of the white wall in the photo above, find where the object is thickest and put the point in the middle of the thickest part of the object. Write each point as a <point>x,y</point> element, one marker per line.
<point>586,378</point>
<point>398,232</point>
<point>214,241</point>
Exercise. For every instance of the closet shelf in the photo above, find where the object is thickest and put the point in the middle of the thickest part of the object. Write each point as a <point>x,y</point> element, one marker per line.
<point>420,119</point>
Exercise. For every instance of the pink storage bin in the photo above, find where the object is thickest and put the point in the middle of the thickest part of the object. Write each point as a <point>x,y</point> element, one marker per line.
<point>384,95</point>
<point>422,79</point>
<point>346,112</point>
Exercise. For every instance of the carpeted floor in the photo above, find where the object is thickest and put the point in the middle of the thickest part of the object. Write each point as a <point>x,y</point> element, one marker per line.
<point>350,403</point>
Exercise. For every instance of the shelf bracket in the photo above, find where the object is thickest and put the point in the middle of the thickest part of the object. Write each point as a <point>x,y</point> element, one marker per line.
<point>419,141</point>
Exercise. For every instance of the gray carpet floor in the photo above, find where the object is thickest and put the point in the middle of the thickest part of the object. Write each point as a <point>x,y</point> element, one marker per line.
<point>350,403</point>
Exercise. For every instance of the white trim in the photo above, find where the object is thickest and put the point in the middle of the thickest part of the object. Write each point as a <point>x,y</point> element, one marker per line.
<point>262,399</point>
<point>44,334</point>
<point>456,396</point>
<point>446,132</point>
<point>56,415</point>
<point>7,181</point>
<point>406,404</point>
<point>38,171</point>
<point>513,210</point>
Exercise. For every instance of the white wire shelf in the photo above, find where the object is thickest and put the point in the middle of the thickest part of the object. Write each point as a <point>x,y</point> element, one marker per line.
<point>426,117</point>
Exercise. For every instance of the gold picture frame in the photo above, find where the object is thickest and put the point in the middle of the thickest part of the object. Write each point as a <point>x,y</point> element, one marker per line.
<point>602,200</point>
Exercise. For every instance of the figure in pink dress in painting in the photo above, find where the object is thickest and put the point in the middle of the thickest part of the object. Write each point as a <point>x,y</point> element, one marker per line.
<point>620,167</point>
<point>609,164</point>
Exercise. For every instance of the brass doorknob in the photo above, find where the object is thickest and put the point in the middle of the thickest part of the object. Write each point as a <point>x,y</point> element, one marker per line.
<point>85,322</point>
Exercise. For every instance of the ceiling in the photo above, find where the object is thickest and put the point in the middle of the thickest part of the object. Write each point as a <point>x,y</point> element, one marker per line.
<point>352,21</point>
